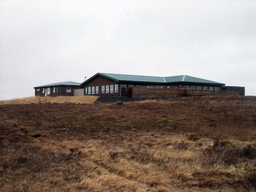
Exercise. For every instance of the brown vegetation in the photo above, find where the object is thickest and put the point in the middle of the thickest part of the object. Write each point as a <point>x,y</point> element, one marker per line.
<point>184,144</point>
<point>59,99</point>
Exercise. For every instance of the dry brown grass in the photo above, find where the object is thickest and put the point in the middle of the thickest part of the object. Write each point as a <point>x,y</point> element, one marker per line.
<point>185,144</point>
<point>59,99</point>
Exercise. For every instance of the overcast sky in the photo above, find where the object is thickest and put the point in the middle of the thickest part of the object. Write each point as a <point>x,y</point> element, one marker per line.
<point>50,41</point>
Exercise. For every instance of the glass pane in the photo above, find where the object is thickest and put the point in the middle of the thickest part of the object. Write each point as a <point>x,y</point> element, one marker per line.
<point>116,88</point>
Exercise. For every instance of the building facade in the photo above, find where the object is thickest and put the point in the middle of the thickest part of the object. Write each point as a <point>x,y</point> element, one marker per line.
<point>107,84</point>
<point>240,90</point>
<point>57,89</point>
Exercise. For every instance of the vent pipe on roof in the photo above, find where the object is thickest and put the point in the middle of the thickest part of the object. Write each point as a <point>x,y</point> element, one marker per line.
<point>183,78</point>
<point>85,78</point>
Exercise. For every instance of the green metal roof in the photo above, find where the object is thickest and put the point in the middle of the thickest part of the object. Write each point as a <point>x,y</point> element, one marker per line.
<point>152,79</point>
<point>66,83</point>
<point>189,79</point>
<point>133,78</point>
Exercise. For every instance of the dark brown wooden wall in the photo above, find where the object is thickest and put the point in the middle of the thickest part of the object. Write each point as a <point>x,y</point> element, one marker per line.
<point>61,92</point>
<point>99,81</point>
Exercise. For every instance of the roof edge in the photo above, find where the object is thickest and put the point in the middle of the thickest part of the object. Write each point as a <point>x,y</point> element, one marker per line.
<point>100,74</point>
<point>59,84</point>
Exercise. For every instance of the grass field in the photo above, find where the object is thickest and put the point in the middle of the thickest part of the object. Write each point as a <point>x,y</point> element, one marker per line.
<point>183,144</point>
<point>59,99</point>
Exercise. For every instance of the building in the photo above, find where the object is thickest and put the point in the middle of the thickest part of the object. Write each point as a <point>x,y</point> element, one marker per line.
<point>108,84</point>
<point>240,90</point>
<point>57,89</point>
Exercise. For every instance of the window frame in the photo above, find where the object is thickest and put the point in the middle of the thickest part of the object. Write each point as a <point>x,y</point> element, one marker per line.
<point>116,88</point>
<point>205,88</point>
<point>67,89</point>
<point>103,89</point>
<point>93,90</point>
<point>111,88</point>
<point>123,88</point>
<point>89,90</point>
<point>107,89</point>
<point>199,87</point>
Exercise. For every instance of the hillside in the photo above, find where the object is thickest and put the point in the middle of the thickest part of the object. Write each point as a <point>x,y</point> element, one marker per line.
<point>183,144</point>
<point>59,99</point>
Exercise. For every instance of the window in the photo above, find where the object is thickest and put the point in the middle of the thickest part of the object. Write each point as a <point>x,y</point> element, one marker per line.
<point>86,91</point>
<point>38,89</point>
<point>68,89</point>
<point>205,88</point>
<point>97,89</point>
<point>174,87</point>
<point>150,87</point>
<point>53,89</point>
<point>48,91</point>
<point>89,90</point>
<point>210,88</point>
<point>217,88</point>
<point>123,88</point>
<point>111,88</point>
<point>57,89</point>
<point>193,87</point>
<point>116,88</point>
<point>43,90</point>
<point>199,87</point>
<point>93,90</point>
<point>159,87</point>
<point>107,88</point>
<point>103,89</point>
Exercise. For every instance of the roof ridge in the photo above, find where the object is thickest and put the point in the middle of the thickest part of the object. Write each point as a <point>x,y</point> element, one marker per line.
<point>183,78</point>
<point>150,79</point>
<point>129,74</point>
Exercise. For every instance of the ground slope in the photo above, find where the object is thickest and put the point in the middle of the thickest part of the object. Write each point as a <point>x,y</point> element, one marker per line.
<point>59,99</point>
<point>185,144</point>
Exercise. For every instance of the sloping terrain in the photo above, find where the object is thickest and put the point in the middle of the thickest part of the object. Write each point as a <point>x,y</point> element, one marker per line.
<point>184,144</point>
<point>59,99</point>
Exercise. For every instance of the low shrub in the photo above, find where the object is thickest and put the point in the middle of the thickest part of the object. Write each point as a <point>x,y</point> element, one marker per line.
<point>250,179</point>
<point>225,152</point>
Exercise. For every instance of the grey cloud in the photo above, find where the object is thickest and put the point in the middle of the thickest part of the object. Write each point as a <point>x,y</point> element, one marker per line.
<point>49,41</point>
